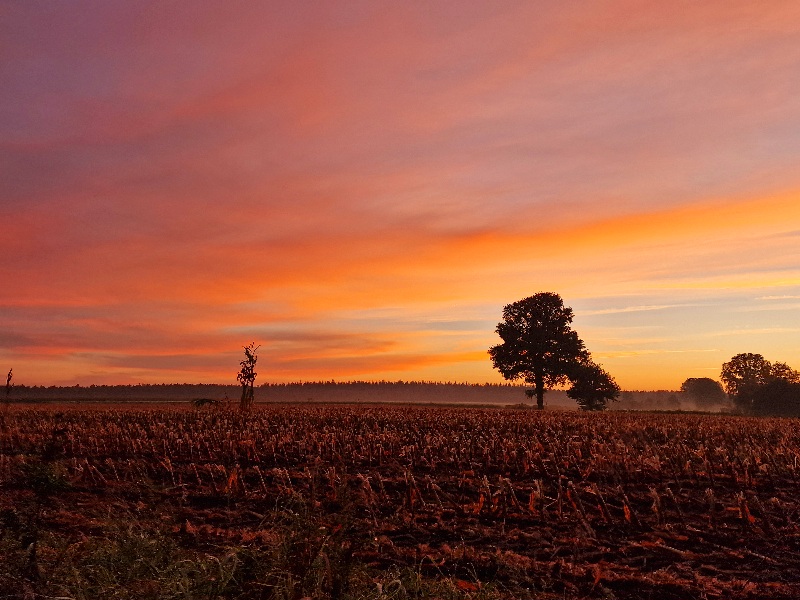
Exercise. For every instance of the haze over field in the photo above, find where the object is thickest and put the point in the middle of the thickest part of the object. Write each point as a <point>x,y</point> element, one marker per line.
<point>362,186</point>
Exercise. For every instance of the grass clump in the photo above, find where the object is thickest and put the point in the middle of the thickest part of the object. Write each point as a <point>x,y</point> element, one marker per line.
<point>135,564</point>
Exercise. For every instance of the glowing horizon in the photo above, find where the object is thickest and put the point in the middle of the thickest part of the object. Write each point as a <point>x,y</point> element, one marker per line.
<point>361,188</point>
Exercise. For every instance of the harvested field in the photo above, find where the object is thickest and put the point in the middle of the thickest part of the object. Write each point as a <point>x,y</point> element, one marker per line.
<point>397,502</point>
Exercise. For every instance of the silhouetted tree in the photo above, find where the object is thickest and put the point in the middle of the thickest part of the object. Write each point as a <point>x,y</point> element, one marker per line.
<point>539,345</point>
<point>704,391</point>
<point>758,386</point>
<point>592,387</point>
<point>742,375</point>
<point>6,402</point>
<point>9,385</point>
<point>247,376</point>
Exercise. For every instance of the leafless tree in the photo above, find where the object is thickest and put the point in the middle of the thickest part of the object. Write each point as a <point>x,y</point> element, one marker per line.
<point>247,376</point>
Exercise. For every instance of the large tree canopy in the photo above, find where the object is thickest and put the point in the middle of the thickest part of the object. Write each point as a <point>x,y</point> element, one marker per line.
<point>539,345</point>
<point>744,371</point>
<point>749,378</point>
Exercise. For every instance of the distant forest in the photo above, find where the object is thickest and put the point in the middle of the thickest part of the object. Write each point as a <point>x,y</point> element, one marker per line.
<point>330,391</point>
<point>313,391</point>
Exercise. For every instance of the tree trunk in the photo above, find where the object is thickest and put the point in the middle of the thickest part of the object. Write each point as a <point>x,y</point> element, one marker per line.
<point>246,402</point>
<point>540,392</point>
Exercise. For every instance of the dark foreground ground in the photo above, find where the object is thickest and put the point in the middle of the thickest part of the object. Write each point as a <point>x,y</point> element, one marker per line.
<point>396,502</point>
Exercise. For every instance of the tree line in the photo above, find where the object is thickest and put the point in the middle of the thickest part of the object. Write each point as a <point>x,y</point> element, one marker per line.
<point>540,348</point>
<point>300,391</point>
<point>750,385</point>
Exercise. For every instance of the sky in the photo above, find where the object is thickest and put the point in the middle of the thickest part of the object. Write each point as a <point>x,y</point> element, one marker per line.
<point>360,187</point>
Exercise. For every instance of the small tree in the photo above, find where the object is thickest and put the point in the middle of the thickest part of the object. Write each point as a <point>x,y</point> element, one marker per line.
<point>704,391</point>
<point>592,387</point>
<point>539,346</point>
<point>9,385</point>
<point>247,376</point>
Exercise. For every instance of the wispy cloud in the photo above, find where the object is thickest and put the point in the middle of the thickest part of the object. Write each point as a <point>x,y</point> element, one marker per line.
<point>753,331</point>
<point>793,306</point>
<point>629,309</point>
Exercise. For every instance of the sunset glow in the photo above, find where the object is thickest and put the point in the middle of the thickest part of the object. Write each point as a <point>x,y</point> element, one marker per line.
<point>360,187</point>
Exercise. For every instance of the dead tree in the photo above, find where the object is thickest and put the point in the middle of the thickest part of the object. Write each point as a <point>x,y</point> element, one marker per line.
<point>9,385</point>
<point>247,376</point>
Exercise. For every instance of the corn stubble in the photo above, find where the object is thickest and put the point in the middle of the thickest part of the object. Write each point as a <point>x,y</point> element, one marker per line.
<point>397,502</point>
